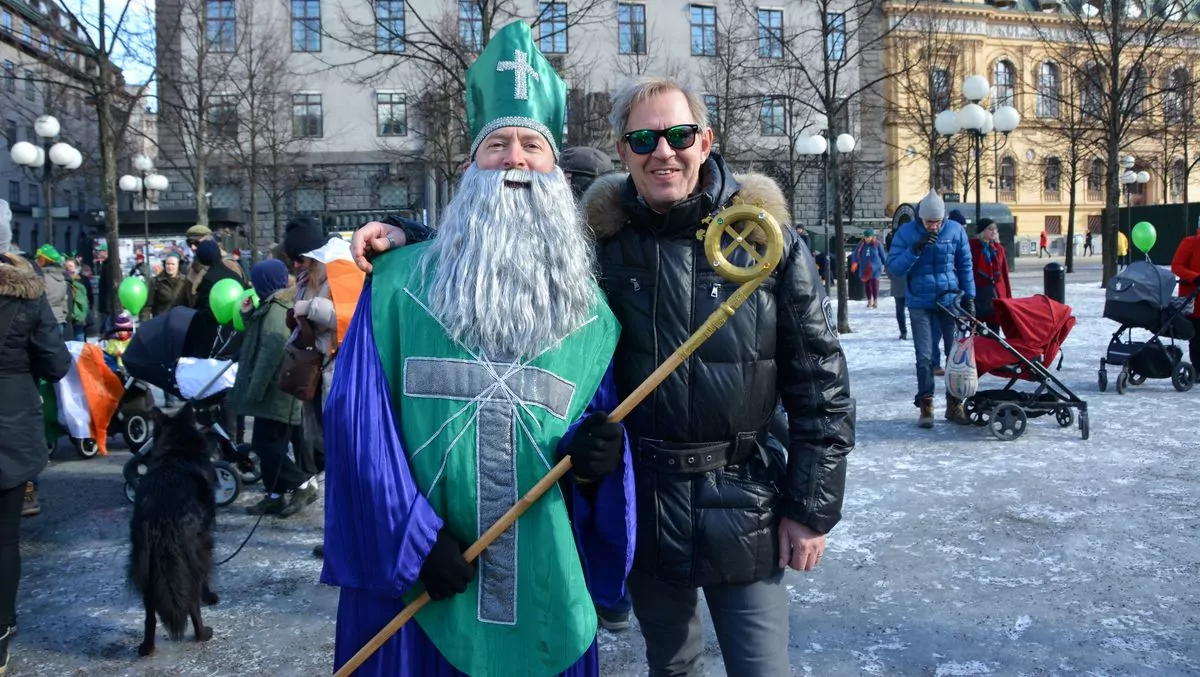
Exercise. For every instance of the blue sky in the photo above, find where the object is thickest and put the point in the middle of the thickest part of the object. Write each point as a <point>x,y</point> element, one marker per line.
<point>136,61</point>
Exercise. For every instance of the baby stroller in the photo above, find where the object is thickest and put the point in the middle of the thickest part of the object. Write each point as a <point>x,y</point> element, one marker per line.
<point>156,355</point>
<point>1033,329</point>
<point>1142,297</point>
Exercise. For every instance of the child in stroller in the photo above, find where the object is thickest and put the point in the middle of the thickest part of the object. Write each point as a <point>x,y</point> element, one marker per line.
<point>1141,297</point>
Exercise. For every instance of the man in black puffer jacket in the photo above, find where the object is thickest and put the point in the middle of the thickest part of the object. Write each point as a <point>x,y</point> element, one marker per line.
<point>722,504</point>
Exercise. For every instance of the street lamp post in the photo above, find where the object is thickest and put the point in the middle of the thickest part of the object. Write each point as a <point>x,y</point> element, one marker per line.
<point>143,184</point>
<point>61,153</point>
<point>817,145</point>
<point>1128,178</point>
<point>979,123</point>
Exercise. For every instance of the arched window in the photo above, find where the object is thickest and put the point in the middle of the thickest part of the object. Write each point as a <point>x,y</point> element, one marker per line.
<point>1134,96</point>
<point>1048,90</point>
<point>1091,90</point>
<point>1052,176</point>
<point>1095,177</point>
<point>1175,95</point>
<point>1008,174</point>
<point>944,180</point>
<point>939,89</point>
<point>1004,84</point>
<point>1179,176</point>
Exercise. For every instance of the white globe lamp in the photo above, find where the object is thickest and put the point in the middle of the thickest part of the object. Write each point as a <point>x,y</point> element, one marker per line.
<point>975,88</point>
<point>946,123</point>
<point>1006,119</point>
<point>46,126</point>
<point>971,117</point>
<point>845,143</point>
<point>24,153</point>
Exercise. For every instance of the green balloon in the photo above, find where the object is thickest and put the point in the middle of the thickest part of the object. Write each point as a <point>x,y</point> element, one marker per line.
<point>238,322</point>
<point>1144,236</point>
<point>133,294</point>
<point>223,300</point>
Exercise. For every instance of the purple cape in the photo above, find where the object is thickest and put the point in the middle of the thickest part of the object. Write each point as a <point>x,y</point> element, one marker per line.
<point>379,527</point>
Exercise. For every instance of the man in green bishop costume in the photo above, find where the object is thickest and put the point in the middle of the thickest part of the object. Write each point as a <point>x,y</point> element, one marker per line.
<point>472,364</point>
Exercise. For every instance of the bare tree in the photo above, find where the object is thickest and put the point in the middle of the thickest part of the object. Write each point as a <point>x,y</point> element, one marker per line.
<point>1114,49</point>
<point>1180,100</point>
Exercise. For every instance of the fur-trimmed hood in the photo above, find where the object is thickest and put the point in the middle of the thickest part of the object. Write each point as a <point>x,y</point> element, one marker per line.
<point>605,201</point>
<point>18,278</point>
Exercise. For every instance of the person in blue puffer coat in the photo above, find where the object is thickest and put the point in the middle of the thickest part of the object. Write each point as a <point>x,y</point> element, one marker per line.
<point>934,255</point>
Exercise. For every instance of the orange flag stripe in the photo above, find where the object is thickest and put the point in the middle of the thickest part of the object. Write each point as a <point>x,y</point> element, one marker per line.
<point>103,391</point>
<point>345,286</point>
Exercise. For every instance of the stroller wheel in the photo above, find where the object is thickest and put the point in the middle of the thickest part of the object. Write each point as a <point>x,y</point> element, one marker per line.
<point>1136,379</point>
<point>1184,377</point>
<point>229,483</point>
<point>137,431</point>
<point>86,447</point>
<point>1102,377</point>
<point>1064,417</point>
<point>1122,380</point>
<point>1084,428</point>
<point>1008,422</point>
<point>974,414</point>
<point>250,468</point>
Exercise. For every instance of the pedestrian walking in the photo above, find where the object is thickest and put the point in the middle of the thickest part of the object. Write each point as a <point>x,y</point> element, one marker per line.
<point>1088,248</point>
<point>867,261</point>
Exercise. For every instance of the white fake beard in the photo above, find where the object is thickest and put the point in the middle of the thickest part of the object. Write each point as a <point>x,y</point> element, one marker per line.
<point>515,265</point>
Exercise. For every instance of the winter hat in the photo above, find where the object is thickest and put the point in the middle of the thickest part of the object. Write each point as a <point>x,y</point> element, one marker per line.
<point>198,232</point>
<point>48,252</point>
<point>124,321</point>
<point>268,277</point>
<point>172,255</point>
<point>983,225</point>
<point>302,235</point>
<point>5,227</point>
<point>870,232</point>
<point>208,253</point>
<point>931,207</point>
<point>957,216</point>
<point>585,160</point>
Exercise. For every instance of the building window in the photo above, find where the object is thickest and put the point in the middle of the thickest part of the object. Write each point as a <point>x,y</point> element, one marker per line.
<point>1008,174</point>
<point>712,104</point>
<point>393,195</point>
<point>552,30</point>
<point>772,121</point>
<point>30,87</point>
<point>835,39</point>
<point>1179,177</point>
<point>1091,91</point>
<point>1052,177</point>
<point>310,200</point>
<point>1095,179</point>
<point>10,132</point>
<point>389,26</point>
<point>1175,95</point>
<point>470,25</point>
<point>220,25</point>
<point>1048,90</point>
<point>306,25</point>
<point>1004,91</point>
<point>391,114</point>
<point>33,193</point>
<point>223,117</point>
<point>6,21</point>
<point>44,42</point>
<point>307,122</point>
<point>631,28</point>
<point>14,192</point>
<point>1053,225</point>
<point>770,33</point>
<point>10,77</point>
<point>27,34</point>
<point>1135,93</point>
<point>704,30</point>
<point>939,89</point>
<point>944,167</point>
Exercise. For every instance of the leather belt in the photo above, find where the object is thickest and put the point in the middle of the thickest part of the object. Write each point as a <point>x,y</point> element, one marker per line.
<point>689,458</point>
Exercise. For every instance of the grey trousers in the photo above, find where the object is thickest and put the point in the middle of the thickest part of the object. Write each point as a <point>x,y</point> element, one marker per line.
<point>751,623</point>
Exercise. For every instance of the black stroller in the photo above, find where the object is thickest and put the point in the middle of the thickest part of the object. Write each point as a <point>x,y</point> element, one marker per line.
<point>1141,297</point>
<point>154,355</point>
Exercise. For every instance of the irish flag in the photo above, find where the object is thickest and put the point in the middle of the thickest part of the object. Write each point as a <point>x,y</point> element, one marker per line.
<point>345,280</point>
<point>89,395</point>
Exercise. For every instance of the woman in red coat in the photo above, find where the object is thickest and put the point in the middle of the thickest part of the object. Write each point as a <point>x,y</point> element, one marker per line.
<point>991,271</point>
<point>1186,266</point>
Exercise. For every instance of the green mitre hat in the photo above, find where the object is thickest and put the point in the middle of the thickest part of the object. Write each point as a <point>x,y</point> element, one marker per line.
<point>512,85</point>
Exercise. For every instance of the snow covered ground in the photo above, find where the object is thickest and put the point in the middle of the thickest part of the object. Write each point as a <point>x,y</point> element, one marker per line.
<point>958,554</point>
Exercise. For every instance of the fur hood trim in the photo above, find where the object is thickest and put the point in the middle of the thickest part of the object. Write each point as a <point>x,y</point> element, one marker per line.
<point>19,279</point>
<point>606,218</point>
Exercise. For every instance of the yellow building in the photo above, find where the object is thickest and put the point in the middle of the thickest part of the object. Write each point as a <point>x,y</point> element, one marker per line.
<point>1025,49</point>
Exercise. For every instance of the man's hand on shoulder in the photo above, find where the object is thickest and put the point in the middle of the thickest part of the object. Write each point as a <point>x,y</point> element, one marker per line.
<point>374,238</point>
<point>800,548</point>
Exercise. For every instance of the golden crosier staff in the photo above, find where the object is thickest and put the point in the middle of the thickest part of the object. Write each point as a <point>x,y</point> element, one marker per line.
<point>717,248</point>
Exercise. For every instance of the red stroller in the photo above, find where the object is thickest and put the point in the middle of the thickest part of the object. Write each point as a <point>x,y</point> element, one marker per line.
<point>1034,329</point>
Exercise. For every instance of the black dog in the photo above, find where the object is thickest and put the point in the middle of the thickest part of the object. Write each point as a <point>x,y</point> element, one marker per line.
<point>171,532</point>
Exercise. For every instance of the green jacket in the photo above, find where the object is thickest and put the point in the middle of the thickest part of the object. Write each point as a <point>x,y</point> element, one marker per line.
<point>256,392</point>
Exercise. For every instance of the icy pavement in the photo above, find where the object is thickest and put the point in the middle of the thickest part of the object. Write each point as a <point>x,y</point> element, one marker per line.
<point>958,555</point>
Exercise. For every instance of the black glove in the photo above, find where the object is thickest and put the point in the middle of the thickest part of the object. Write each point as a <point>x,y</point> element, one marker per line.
<point>1196,280</point>
<point>968,305</point>
<point>597,448</point>
<point>930,238</point>
<point>445,571</point>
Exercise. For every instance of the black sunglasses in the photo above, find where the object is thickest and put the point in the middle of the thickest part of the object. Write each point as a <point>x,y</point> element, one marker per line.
<point>679,137</point>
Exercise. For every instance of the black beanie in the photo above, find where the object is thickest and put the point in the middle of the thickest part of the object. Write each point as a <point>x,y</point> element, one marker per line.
<point>983,225</point>
<point>208,253</point>
<point>302,235</point>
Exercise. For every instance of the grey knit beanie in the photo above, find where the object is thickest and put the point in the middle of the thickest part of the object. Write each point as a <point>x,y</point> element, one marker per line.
<point>932,207</point>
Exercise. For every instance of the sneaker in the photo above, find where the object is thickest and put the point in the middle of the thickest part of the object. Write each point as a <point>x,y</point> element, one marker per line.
<point>269,505</point>
<point>301,498</point>
<point>31,507</point>
<point>613,621</point>
<point>954,410</point>
<point>926,419</point>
